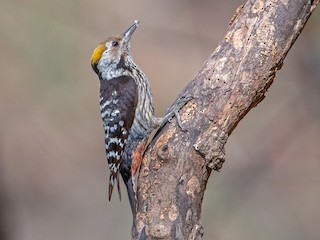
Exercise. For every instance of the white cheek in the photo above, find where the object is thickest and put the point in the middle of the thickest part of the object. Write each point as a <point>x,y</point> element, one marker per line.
<point>104,62</point>
<point>107,65</point>
<point>110,57</point>
<point>106,57</point>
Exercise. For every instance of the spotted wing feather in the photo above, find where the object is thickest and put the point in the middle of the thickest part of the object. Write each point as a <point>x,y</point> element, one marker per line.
<point>118,101</point>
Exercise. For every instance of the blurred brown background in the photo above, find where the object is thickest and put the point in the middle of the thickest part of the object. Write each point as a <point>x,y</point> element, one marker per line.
<point>53,171</point>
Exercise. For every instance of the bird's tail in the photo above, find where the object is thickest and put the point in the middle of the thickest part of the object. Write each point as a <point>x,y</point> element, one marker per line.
<point>114,177</point>
<point>132,196</point>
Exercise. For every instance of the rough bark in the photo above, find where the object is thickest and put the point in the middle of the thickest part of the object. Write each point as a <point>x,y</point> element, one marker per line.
<point>177,164</point>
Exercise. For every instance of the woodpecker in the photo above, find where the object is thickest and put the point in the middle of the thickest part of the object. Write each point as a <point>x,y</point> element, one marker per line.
<point>126,106</point>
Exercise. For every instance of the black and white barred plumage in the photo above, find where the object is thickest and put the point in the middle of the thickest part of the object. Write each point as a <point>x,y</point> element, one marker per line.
<point>126,106</point>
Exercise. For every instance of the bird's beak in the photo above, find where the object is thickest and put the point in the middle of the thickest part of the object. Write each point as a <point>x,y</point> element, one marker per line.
<point>127,34</point>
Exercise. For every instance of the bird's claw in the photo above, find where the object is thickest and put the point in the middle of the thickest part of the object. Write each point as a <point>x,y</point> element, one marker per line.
<point>173,111</point>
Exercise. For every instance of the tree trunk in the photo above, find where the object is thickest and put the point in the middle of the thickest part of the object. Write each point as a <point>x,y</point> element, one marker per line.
<point>177,164</point>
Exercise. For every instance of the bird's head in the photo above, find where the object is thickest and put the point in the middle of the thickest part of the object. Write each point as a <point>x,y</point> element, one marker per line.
<point>112,51</point>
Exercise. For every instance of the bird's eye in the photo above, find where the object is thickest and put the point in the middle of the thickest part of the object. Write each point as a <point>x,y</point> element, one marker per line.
<point>115,43</point>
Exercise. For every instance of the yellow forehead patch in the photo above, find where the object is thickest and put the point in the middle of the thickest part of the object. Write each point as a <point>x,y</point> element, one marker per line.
<point>96,55</point>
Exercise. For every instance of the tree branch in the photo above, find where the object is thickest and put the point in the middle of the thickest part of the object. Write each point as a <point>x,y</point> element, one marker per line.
<point>177,164</point>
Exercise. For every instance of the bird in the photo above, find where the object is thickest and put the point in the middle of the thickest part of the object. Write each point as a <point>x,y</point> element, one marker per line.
<point>127,109</point>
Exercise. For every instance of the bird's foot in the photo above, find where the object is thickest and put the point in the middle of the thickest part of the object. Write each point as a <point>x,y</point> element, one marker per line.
<point>173,111</point>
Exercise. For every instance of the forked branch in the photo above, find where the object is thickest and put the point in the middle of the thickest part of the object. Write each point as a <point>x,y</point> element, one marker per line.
<point>234,79</point>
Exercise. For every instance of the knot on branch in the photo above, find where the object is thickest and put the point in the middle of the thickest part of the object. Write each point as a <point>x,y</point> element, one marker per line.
<point>210,144</point>
<point>197,232</point>
<point>164,152</point>
<point>159,231</point>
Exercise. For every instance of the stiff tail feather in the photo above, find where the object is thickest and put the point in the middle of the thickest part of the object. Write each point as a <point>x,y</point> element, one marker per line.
<point>114,177</point>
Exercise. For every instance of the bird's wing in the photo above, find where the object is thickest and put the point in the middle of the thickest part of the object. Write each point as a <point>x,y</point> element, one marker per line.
<point>118,101</point>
